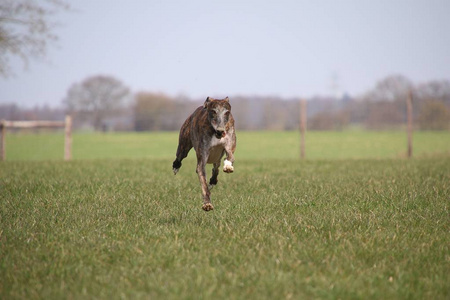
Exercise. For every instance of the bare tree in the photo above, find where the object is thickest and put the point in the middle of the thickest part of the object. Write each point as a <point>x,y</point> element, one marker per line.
<point>384,115</point>
<point>156,111</point>
<point>26,29</point>
<point>434,90</point>
<point>392,88</point>
<point>96,98</point>
<point>384,105</point>
<point>434,115</point>
<point>153,112</point>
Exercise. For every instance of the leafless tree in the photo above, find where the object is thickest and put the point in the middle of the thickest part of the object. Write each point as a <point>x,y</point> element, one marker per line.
<point>96,98</point>
<point>26,29</point>
<point>157,111</point>
<point>434,90</point>
<point>392,88</point>
<point>434,115</point>
<point>432,105</point>
<point>153,112</point>
<point>385,115</point>
<point>384,105</point>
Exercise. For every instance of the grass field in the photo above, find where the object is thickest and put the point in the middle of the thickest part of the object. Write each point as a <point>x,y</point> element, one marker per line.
<point>251,145</point>
<point>374,227</point>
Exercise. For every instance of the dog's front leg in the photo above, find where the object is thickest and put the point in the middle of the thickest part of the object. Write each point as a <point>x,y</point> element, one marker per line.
<point>201,162</point>
<point>229,160</point>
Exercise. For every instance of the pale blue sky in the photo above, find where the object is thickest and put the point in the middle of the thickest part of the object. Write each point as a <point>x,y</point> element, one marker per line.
<point>219,48</point>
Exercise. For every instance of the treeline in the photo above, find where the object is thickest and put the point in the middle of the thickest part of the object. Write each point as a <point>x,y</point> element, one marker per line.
<point>383,107</point>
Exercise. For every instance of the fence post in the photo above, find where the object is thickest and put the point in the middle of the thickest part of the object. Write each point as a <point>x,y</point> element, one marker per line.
<point>2,140</point>
<point>68,138</point>
<point>410,122</point>
<point>303,117</point>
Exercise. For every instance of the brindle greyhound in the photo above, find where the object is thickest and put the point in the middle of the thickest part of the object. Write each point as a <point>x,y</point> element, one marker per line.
<point>210,130</point>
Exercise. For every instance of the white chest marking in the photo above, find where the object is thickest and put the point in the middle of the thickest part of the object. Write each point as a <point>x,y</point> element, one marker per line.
<point>215,141</point>
<point>216,149</point>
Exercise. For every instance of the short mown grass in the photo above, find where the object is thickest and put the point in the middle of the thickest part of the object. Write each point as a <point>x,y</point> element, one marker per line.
<point>281,229</point>
<point>259,145</point>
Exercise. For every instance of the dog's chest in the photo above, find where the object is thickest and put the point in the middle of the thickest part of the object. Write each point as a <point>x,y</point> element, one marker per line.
<point>216,148</point>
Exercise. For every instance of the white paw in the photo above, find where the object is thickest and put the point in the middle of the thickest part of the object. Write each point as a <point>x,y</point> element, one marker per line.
<point>227,166</point>
<point>175,171</point>
<point>211,186</point>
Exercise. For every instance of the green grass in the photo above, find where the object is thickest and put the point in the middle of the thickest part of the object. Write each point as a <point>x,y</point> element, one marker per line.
<point>251,145</point>
<point>281,229</point>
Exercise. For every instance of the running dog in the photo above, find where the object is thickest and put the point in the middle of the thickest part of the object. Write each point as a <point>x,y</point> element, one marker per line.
<point>210,130</point>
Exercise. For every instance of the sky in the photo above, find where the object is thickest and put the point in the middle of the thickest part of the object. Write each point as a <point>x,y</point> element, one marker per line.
<point>216,48</point>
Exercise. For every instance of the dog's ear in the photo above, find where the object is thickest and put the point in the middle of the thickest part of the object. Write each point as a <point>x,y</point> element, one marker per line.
<point>226,99</point>
<point>206,102</point>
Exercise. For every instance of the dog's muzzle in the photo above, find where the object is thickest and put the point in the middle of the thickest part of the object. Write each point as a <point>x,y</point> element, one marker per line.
<point>219,134</point>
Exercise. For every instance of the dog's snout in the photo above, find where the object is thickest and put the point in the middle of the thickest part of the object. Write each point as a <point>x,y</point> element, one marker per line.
<point>220,133</point>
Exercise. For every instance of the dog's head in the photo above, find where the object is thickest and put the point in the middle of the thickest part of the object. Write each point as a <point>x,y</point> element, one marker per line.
<point>218,114</point>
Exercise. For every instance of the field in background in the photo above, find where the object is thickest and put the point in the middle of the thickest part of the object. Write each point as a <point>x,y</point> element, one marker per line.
<point>251,145</point>
<point>353,221</point>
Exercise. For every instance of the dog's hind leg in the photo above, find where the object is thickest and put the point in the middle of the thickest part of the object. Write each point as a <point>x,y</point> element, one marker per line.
<point>182,152</point>
<point>184,146</point>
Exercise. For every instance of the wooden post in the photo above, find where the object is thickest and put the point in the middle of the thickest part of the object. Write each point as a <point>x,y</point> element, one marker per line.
<point>410,123</point>
<point>68,138</point>
<point>2,140</point>
<point>302,127</point>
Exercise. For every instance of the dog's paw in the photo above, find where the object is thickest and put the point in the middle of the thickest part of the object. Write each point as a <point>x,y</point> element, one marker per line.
<point>228,169</point>
<point>207,207</point>
<point>176,166</point>
<point>227,166</point>
<point>211,186</point>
